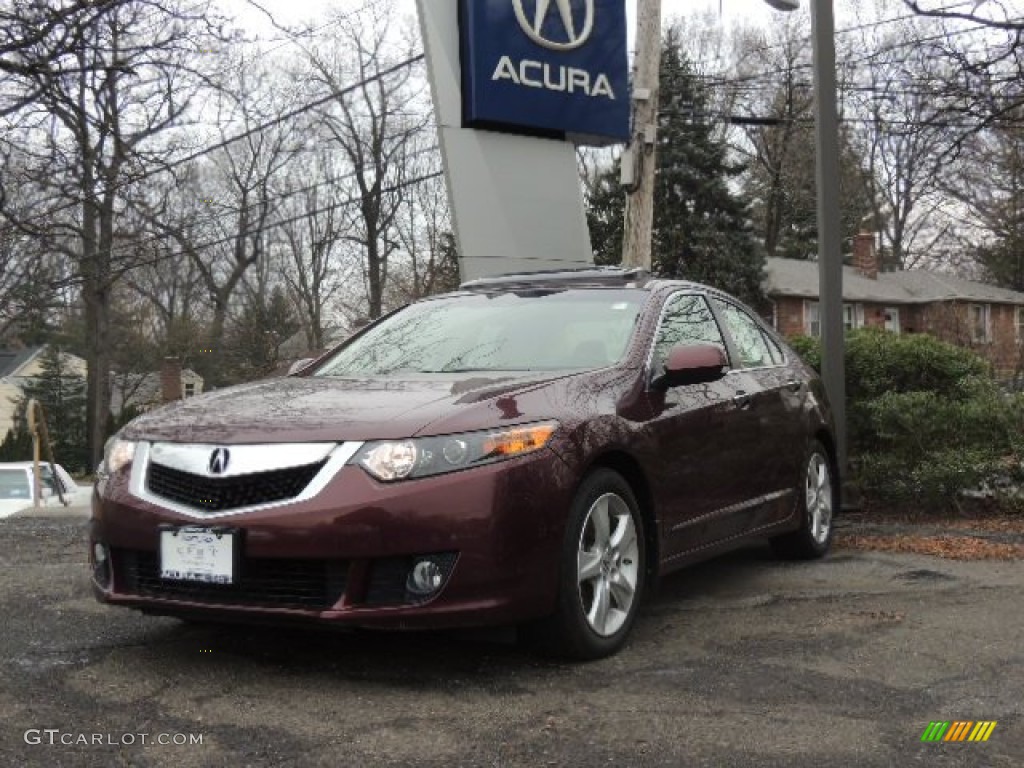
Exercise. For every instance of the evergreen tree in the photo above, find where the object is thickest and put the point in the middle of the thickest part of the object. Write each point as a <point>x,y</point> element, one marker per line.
<point>16,445</point>
<point>61,392</point>
<point>782,185</point>
<point>605,216</point>
<point>990,182</point>
<point>702,228</point>
<point>255,339</point>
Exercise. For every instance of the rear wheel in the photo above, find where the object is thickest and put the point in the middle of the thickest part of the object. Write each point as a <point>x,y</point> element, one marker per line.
<point>817,496</point>
<point>602,572</point>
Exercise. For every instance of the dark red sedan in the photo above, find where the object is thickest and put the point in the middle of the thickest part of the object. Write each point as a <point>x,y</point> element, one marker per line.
<point>532,450</point>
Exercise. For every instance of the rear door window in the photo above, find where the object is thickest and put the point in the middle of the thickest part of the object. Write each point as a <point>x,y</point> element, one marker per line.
<point>746,333</point>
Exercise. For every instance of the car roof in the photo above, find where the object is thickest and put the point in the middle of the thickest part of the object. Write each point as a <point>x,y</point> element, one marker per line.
<point>586,277</point>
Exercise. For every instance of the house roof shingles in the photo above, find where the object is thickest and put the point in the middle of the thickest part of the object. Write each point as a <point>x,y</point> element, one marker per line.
<point>13,359</point>
<point>792,277</point>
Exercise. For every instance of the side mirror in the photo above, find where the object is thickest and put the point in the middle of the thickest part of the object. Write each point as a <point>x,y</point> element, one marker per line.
<point>692,364</point>
<point>298,365</point>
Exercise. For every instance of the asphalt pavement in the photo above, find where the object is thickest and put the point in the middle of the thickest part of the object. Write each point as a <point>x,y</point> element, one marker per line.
<point>744,661</point>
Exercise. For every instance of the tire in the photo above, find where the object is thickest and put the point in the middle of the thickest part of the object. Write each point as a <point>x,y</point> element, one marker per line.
<point>817,500</point>
<point>601,575</point>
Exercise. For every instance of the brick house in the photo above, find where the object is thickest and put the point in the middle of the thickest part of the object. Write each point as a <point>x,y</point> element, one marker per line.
<point>985,318</point>
<point>144,391</point>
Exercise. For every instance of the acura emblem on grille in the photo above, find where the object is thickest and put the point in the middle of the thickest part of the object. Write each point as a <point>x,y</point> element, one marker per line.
<point>219,461</point>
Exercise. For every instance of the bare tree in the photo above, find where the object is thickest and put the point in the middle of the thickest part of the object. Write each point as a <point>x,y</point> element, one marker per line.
<point>97,95</point>
<point>220,212</point>
<point>902,129</point>
<point>985,84</point>
<point>374,125</point>
<point>316,219</point>
<point>428,244</point>
<point>37,40</point>
<point>779,136</point>
<point>988,180</point>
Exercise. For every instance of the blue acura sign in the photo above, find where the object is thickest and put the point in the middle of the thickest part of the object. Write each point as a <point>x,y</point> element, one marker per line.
<point>546,67</point>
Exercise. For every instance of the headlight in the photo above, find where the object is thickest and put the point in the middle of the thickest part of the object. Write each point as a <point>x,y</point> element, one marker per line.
<point>425,456</point>
<point>117,454</point>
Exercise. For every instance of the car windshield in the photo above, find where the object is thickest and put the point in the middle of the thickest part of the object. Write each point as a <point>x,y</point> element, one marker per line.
<point>522,331</point>
<point>14,484</point>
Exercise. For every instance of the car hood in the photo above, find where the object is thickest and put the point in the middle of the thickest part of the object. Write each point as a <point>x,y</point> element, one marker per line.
<point>326,409</point>
<point>10,507</point>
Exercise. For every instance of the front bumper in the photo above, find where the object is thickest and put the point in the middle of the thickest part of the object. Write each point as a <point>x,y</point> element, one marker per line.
<point>342,557</point>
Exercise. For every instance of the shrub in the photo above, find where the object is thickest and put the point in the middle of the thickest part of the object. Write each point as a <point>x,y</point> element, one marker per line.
<point>879,362</point>
<point>925,419</point>
<point>924,449</point>
<point>809,349</point>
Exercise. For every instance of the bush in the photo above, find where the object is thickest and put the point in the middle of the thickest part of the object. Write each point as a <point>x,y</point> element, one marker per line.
<point>925,449</point>
<point>878,362</point>
<point>809,350</point>
<point>925,420</point>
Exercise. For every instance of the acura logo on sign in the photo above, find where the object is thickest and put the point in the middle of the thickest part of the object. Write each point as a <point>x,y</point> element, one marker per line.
<point>219,461</point>
<point>576,30</point>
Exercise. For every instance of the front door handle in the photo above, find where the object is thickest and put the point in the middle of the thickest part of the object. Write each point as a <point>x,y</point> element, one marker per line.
<point>794,385</point>
<point>741,400</point>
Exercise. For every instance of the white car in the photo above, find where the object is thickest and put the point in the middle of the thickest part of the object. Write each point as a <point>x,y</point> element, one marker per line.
<point>16,484</point>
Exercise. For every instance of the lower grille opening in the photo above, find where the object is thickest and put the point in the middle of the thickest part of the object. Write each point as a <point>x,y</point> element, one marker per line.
<point>269,583</point>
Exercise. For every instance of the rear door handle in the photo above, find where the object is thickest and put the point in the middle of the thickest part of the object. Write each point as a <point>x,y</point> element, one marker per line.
<point>741,400</point>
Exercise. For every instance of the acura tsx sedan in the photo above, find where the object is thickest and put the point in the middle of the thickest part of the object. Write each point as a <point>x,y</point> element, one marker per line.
<point>532,450</point>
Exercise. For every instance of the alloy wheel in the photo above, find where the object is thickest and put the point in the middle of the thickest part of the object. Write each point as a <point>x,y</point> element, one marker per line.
<point>819,497</point>
<point>608,562</point>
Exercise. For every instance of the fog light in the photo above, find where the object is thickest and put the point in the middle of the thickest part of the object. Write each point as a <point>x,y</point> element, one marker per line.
<point>101,564</point>
<point>425,578</point>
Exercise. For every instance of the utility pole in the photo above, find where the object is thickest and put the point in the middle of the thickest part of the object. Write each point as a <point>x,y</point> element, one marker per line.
<point>830,259</point>
<point>641,157</point>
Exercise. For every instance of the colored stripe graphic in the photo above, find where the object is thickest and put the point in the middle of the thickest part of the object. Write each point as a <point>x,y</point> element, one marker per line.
<point>982,731</point>
<point>934,731</point>
<point>959,731</point>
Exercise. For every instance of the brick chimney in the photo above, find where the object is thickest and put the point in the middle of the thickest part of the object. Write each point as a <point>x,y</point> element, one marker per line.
<point>170,379</point>
<point>865,256</point>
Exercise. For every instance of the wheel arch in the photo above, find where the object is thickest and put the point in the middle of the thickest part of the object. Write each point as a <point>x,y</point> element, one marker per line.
<point>629,468</point>
<point>826,438</point>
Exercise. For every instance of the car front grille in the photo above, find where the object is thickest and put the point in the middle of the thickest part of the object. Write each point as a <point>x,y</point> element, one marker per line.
<point>216,494</point>
<point>260,582</point>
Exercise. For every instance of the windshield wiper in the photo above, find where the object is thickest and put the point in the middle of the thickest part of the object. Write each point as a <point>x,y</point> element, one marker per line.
<point>478,370</point>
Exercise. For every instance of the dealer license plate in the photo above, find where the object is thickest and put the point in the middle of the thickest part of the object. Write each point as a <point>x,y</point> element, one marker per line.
<point>197,554</point>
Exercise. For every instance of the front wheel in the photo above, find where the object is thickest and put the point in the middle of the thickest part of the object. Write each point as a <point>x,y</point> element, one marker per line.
<point>817,501</point>
<point>602,570</point>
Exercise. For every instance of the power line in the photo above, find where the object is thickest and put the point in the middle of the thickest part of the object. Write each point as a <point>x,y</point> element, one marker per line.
<point>768,121</point>
<point>809,66</point>
<point>805,40</point>
<point>259,128</point>
<point>277,199</point>
<point>271,225</point>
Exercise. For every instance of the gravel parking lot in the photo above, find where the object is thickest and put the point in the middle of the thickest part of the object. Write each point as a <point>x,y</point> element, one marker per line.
<point>745,661</point>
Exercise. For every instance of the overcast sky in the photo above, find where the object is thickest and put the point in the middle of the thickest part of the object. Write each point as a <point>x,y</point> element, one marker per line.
<point>293,11</point>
